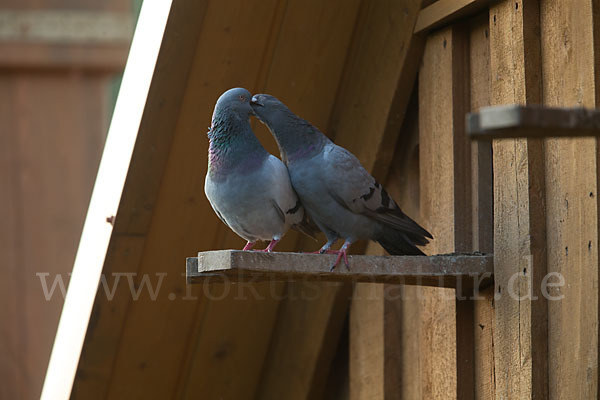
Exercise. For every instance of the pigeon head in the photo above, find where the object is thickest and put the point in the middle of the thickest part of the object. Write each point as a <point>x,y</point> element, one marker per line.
<point>269,109</point>
<point>295,137</point>
<point>234,103</point>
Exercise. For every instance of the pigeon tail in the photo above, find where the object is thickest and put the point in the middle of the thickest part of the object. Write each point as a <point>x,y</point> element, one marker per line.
<point>398,243</point>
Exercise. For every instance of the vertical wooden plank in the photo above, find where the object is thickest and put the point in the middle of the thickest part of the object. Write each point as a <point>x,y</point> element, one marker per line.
<point>568,70</point>
<point>482,201</point>
<point>447,346</point>
<point>520,328</point>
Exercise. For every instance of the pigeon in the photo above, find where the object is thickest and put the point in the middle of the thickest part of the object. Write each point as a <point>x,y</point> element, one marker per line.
<point>338,193</point>
<point>248,188</point>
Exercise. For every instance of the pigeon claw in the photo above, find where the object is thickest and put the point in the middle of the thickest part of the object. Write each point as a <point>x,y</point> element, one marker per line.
<point>340,254</point>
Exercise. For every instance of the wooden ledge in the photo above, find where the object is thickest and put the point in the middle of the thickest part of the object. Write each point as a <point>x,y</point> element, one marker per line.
<point>454,270</point>
<point>534,121</point>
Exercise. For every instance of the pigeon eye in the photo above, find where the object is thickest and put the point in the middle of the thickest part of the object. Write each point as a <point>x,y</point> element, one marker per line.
<point>242,97</point>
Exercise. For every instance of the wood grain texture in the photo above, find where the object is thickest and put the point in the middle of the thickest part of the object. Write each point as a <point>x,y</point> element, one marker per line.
<point>443,12</point>
<point>568,70</point>
<point>379,364</point>
<point>520,328</point>
<point>483,208</point>
<point>445,206</point>
<point>238,265</point>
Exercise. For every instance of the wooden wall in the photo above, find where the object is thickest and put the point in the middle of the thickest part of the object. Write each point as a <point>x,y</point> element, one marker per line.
<point>54,111</point>
<point>397,101</point>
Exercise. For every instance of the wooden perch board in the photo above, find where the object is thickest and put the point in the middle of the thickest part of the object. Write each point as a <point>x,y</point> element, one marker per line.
<point>513,121</point>
<point>244,266</point>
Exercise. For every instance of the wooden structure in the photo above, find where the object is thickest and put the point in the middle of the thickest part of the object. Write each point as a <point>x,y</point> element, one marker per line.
<point>439,271</point>
<point>55,104</point>
<point>392,82</point>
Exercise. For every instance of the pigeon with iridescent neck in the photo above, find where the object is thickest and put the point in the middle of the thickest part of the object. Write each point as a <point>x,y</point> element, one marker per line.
<point>339,195</point>
<point>248,188</point>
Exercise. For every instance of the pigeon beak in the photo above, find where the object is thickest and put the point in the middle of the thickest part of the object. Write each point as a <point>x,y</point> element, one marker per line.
<point>257,101</point>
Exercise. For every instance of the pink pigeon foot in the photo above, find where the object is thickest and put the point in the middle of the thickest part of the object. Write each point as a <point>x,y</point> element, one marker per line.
<point>271,246</point>
<point>248,246</point>
<point>343,252</point>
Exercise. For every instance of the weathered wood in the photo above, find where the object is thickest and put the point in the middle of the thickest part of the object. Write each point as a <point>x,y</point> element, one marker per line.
<point>483,209</point>
<point>568,71</point>
<point>520,326</point>
<point>446,208</point>
<point>533,121</point>
<point>241,266</point>
<point>443,12</point>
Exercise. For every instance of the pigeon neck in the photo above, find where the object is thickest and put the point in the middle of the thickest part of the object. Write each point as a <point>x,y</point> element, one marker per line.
<point>297,139</point>
<point>233,147</point>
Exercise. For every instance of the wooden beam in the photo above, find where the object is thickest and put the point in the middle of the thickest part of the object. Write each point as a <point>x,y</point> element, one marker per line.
<point>445,157</point>
<point>443,12</point>
<point>520,325</point>
<point>243,266</point>
<point>532,121</point>
<point>569,52</point>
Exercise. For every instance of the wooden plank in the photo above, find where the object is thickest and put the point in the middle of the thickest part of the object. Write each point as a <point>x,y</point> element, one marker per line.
<point>446,207</point>
<point>533,121</point>
<point>238,265</point>
<point>402,311</point>
<point>443,12</point>
<point>520,326</point>
<point>483,208</point>
<point>568,71</point>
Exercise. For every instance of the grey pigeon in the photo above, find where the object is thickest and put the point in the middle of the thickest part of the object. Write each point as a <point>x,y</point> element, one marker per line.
<point>248,188</point>
<point>339,195</point>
